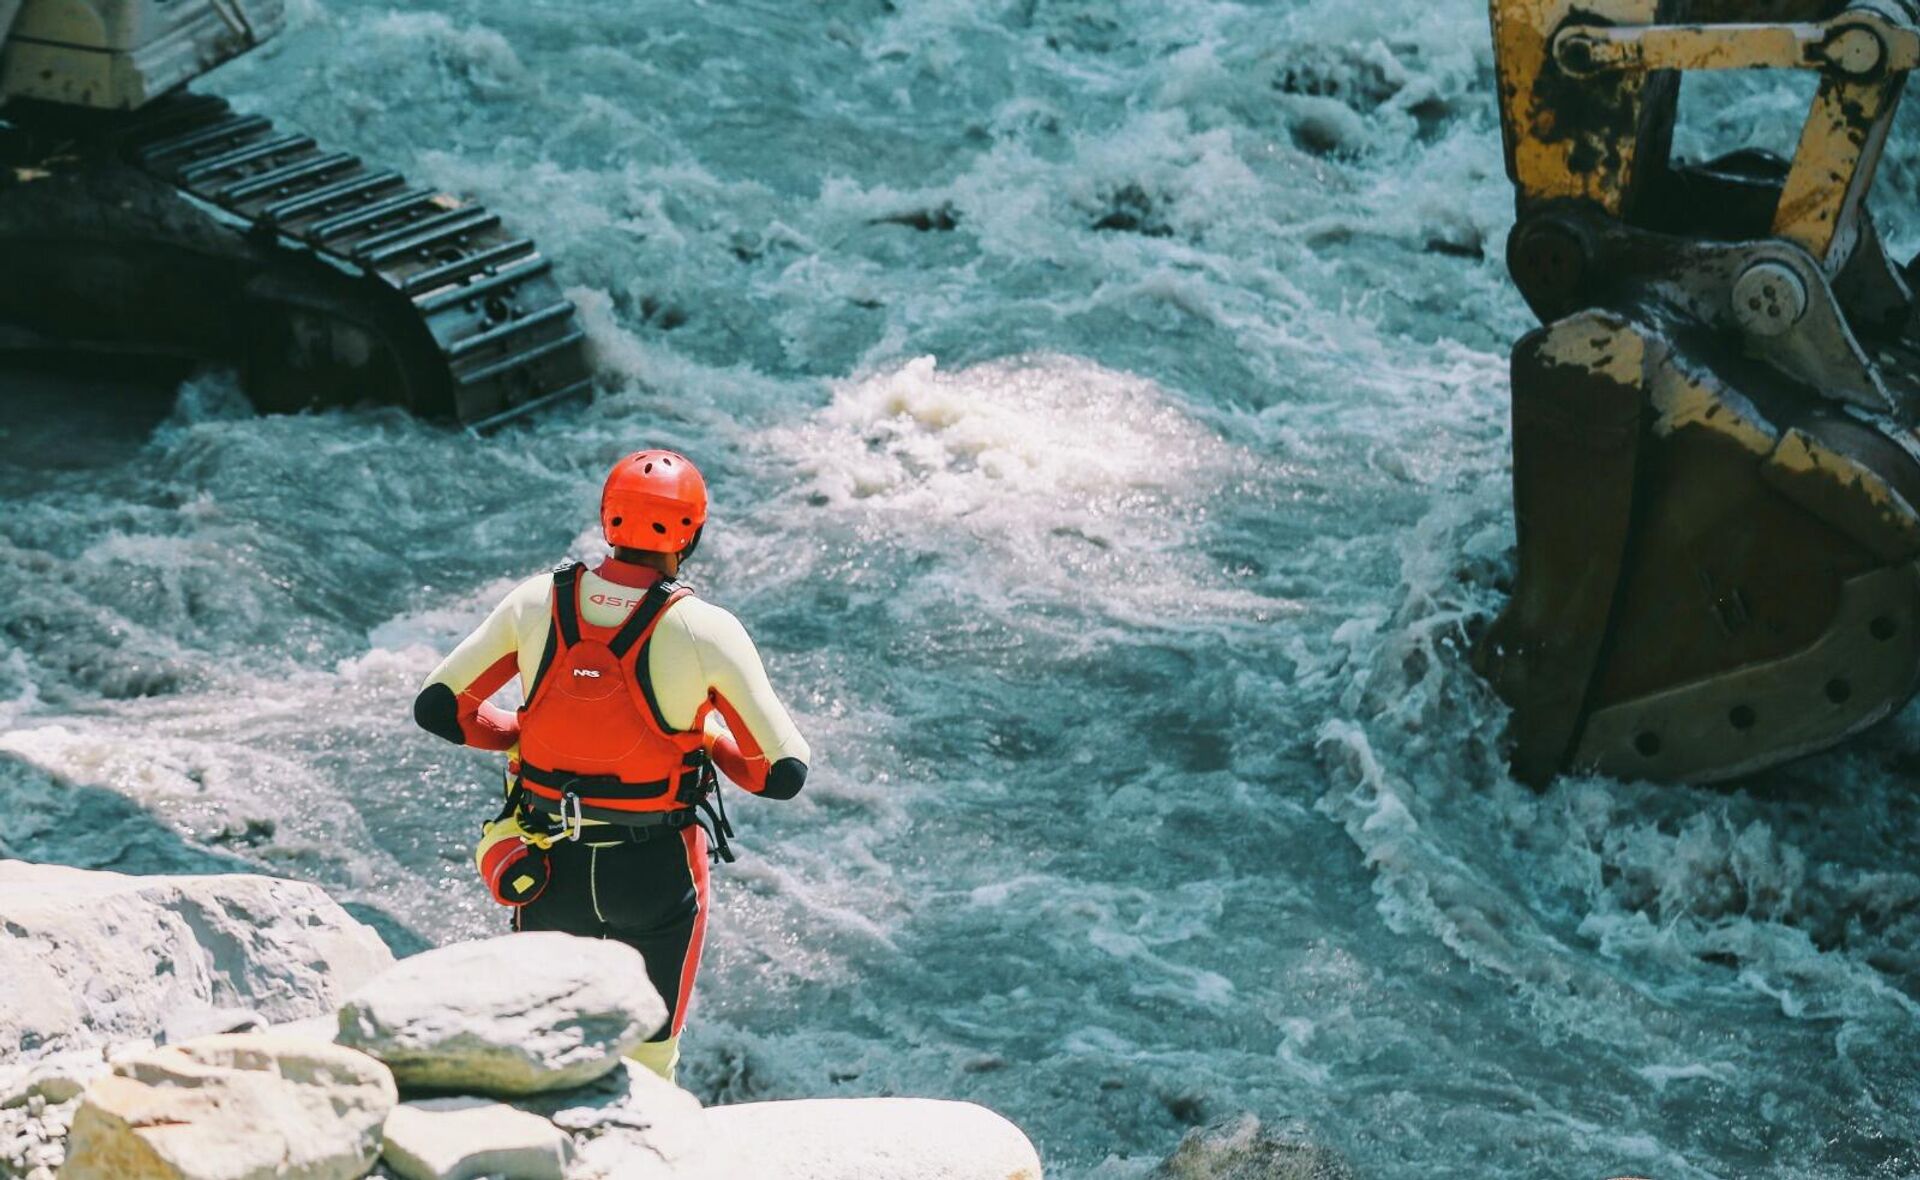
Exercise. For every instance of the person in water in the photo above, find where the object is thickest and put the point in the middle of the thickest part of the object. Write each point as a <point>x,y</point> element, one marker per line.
<point>635,690</point>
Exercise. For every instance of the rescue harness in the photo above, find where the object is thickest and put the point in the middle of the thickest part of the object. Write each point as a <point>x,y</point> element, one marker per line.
<point>595,746</point>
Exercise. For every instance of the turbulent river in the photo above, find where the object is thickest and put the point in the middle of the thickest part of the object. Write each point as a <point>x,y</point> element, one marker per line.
<point>1105,402</point>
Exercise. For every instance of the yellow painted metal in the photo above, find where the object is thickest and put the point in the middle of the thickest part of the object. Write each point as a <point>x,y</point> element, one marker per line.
<point>49,53</point>
<point>1605,345</point>
<point>1814,473</point>
<point>67,22</point>
<point>1834,166</point>
<point>1548,157</point>
<point>59,73</point>
<point>1855,46</point>
<point>120,54</point>
<point>1574,90</point>
<point>1584,50</point>
<point>1687,397</point>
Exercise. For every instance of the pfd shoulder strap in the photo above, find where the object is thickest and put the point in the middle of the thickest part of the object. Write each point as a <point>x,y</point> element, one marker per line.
<point>639,630</point>
<point>566,602</point>
<point>659,596</point>
<point>566,617</point>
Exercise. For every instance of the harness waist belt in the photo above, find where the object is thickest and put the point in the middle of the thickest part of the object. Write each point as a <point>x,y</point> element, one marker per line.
<point>680,817</point>
<point>621,827</point>
<point>597,786</point>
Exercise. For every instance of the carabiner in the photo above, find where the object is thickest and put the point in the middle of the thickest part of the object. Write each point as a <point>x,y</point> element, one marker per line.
<point>571,825</point>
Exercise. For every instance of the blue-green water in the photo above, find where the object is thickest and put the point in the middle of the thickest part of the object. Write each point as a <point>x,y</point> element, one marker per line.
<point>1114,538</point>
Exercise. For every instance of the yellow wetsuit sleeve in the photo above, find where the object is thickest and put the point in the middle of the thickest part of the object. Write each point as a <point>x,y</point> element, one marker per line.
<point>702,655</point>
<point>453,701</point>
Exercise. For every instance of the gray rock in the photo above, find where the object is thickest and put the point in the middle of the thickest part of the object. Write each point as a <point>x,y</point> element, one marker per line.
<point>1242,1148</point>
<point>95,957</point>
<point>248,1106</point>
<point>518,1014</point>
<point>867,1139</point>
<point>467,1138</point>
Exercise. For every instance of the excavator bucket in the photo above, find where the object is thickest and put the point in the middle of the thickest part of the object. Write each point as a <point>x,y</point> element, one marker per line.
<point>1715,468</point>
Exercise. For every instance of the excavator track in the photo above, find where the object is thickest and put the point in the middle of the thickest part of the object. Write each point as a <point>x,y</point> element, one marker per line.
<point>326,280</point>
<point>502,331</point>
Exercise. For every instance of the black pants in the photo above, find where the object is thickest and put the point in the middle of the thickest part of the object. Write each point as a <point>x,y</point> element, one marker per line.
<point>651,895</point>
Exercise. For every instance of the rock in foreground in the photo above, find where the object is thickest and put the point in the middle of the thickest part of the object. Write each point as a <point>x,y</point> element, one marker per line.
<point>868,1139</point>
<point>99,965</point>
<point>235,1107</point>
<point>518,1014</point>
<point>92,957</point>
<point>469,1138</point>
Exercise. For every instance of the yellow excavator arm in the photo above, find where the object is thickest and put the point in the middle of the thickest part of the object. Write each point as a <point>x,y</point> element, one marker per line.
<point>1715,466</point>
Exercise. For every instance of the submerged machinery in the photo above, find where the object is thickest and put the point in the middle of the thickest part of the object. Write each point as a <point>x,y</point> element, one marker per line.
<point>138,219</point>
<point>1715,461</point>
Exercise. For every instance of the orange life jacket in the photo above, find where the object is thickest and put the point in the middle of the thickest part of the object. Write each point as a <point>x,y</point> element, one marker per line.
<point>593,743</point>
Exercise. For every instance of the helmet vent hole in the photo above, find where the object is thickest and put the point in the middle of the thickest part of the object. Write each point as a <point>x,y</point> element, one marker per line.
<point>686,520</point>
<point>659,528</point>
<point>648,469</point>
<point>616,522</point>
<point>666,462</point>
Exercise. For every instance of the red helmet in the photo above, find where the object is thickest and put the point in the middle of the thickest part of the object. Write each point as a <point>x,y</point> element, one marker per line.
<point>654,500</point>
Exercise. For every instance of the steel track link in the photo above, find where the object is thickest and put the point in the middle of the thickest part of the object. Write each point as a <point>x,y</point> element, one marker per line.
<point>505,335</point>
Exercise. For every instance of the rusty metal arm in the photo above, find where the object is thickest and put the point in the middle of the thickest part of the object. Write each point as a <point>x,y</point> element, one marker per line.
<point>1860,43</point>
<point>1834,166</point>
<point>1863,55</point>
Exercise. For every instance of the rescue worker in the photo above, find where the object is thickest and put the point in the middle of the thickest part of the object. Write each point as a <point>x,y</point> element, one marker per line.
<point>634,689</point>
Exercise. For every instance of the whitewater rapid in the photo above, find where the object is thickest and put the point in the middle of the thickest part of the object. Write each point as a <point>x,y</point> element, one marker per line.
<point>1105,403</point>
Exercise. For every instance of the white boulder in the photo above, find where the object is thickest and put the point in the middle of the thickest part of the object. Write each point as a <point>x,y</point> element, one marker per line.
<point>468,1138</point>
<point>94,957</point>
<point>867,1139</point>
<point>517,1014</point>
<point>246,1106</point>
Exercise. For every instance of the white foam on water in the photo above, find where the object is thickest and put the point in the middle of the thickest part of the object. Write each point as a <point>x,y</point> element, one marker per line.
<point>1013,443</point>
<point>1060,483</point>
